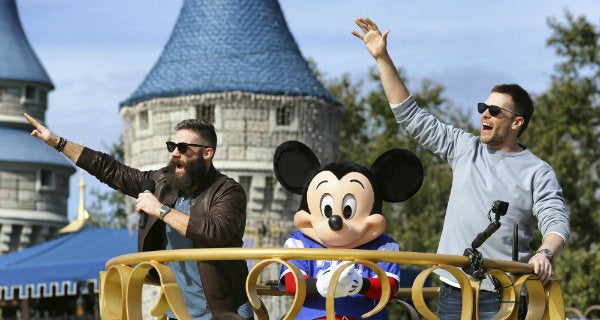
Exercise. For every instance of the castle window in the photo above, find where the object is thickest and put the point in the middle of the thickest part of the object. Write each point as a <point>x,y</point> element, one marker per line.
<point>268,194</point>
<point>246,183</point>
<point>3,91</point>
<point>47,179</point>
<point>329,123</point>
<point>143,122</point>
<point>283,116</point>
<point>30,93</point>
<point>15,238</point>
<point>206,112</point>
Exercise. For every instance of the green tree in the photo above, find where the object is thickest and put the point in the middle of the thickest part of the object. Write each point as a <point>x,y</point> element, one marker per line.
<point>354,129</point>
<point>354,118</point>
<point>564,131</point>
<point>108,208</point>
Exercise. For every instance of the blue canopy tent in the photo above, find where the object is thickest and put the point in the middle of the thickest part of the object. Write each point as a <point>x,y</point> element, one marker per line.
<point>59,266</point>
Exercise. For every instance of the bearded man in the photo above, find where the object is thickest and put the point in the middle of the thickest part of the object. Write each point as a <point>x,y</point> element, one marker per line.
<point>193,206</point>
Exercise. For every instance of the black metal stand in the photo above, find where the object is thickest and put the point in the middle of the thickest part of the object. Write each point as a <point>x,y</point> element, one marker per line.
<point>474,268</point>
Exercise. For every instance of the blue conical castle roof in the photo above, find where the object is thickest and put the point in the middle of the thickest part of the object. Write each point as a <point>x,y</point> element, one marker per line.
<point>230,45</point>
<point>20,147</point>
<point>18,61</point>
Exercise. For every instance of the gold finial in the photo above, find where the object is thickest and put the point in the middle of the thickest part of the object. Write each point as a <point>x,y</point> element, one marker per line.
<point>82,213</point>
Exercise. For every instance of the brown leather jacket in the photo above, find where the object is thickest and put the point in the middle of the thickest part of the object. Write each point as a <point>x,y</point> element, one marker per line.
<point>217,220</point>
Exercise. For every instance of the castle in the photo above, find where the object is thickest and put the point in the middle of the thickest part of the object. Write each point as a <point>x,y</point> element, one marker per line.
<point>34,179</point>
<point>233,63</point>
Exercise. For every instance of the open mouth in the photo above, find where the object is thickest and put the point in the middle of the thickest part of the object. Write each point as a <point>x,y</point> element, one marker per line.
<point>485,127</point>
<point>177,165</point>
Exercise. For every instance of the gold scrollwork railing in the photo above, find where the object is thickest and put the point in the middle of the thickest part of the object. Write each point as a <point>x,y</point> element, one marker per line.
<point>121,283</point>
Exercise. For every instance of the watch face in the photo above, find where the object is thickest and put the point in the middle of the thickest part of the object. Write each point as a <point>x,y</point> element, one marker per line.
<point>547,252</point>
<point>164,209</point>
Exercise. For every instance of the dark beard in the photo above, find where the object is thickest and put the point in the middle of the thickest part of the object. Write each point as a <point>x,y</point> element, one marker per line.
<point>194,172</point>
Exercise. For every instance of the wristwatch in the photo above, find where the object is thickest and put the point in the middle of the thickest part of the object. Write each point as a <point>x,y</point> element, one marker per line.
<point>164,209</point>
<point>547,253</point>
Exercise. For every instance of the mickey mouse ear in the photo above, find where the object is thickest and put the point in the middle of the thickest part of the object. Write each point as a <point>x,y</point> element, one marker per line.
<point>293,162</point>
<point>399,174</point>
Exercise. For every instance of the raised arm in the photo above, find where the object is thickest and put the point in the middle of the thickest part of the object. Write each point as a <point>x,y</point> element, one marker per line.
<point>68,148</point>
<point>376,44</point>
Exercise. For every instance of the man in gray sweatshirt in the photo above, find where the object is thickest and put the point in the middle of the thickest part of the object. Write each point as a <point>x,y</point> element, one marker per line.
<point>489,167</point>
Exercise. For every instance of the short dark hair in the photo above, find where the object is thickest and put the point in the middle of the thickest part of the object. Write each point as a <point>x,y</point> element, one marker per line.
<point>521,99</point>
<point>203,128</point>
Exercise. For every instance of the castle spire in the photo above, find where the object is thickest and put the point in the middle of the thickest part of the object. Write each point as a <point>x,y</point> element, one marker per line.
<point>82,213</point>
<point>230,45</point>
<point>18,61</point>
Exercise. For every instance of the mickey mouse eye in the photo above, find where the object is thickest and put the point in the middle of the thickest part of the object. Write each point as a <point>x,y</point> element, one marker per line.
<point>327,206</point>
<point>349,206</point>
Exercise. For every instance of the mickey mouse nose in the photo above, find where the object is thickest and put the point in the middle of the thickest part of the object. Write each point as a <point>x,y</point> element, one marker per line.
<point>335,222</point>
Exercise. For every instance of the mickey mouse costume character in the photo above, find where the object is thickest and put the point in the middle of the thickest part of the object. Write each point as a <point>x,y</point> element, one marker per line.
<point>341,209</point>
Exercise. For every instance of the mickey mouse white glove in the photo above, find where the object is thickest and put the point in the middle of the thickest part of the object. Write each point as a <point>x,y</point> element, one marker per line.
<point>349,283</point>
<point>323,279</point>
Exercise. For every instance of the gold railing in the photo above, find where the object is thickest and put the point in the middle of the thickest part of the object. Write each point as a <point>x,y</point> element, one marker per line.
<point>121,283</point>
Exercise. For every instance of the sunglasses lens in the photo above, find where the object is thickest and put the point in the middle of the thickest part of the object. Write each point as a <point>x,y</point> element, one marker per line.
<point>182,147</point>
<point>481,107</point>
<point>494,110</point>
<point>171,146</point>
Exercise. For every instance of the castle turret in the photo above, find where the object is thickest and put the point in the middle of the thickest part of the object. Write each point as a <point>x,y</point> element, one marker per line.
<point>236,64</point>
<point>34,179</point>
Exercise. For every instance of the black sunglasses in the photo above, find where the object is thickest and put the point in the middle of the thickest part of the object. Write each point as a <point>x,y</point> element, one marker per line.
<point>182,146</point>
<point>494,110</point>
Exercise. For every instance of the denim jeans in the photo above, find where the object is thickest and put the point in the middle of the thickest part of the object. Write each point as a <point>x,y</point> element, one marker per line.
<point>450,303</point>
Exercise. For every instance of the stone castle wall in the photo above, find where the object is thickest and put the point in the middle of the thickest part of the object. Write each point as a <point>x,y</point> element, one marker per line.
<point>249,129</point>
<point>33,196</point>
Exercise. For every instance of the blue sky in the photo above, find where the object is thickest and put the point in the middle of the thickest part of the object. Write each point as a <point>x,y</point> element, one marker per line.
<point>98,52</point>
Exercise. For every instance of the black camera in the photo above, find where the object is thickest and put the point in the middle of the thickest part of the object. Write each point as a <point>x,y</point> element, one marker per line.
<point>499,207</point>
